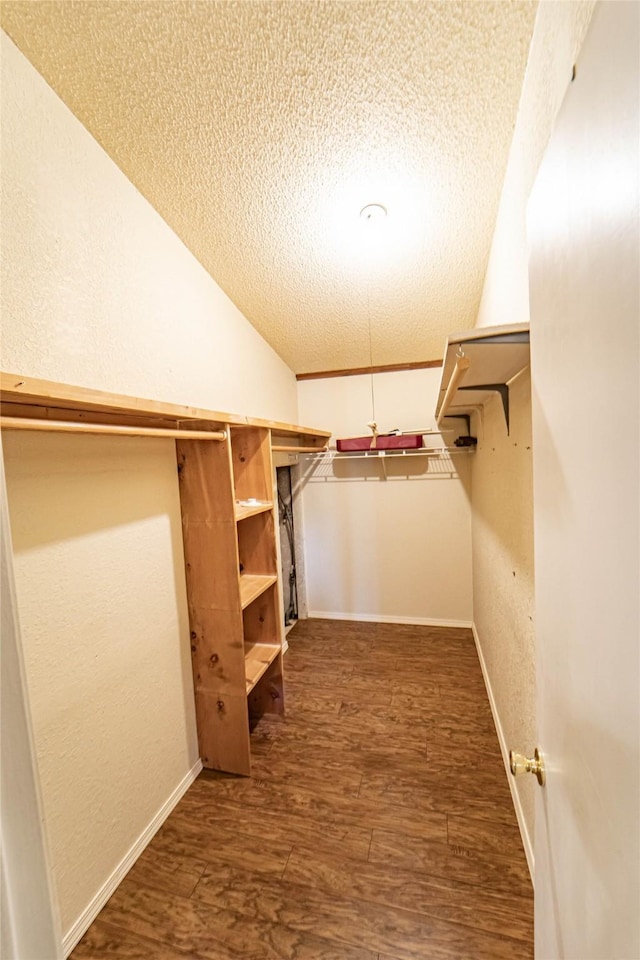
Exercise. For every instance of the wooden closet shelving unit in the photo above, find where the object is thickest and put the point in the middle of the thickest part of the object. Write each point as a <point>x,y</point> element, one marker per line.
<point>226,483</point>
<point>233,589</point>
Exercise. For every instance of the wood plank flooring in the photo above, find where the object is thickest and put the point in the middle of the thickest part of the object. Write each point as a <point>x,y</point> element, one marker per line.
<point>378,823</point>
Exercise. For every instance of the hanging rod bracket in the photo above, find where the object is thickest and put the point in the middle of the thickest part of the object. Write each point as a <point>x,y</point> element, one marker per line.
<point>460,416</point>
<point>500,388</point>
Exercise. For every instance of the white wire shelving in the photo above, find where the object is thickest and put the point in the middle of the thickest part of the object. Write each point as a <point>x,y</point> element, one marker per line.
<point>332,453</point>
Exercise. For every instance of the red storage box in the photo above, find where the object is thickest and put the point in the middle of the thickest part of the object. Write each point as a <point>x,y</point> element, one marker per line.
<point>410,441</point>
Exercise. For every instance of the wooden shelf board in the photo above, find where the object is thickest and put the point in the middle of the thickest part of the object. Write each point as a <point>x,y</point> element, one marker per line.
<point>47,400</point>
<point>253,584</point>
<point>295,442</point>
<point>242,512</point>
<point>257,657</point>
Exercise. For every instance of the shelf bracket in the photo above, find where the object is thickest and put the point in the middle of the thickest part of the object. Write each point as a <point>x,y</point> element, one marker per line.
<point>460,416</point>
<point>500,388</point>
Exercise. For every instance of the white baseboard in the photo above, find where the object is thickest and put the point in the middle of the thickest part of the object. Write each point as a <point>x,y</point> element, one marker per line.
<point>377,618</point>
<point>86,918</point>
<point>524,832</point>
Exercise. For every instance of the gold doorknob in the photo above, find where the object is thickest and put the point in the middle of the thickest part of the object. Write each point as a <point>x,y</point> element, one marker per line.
<point>518,764</point>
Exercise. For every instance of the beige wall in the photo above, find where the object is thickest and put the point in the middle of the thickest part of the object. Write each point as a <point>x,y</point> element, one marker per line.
<point>398,549</point>
<point>559,31</point>
<point>503,598</point>
<point>502,471</point>
<point>97,547</point>
<point>97,291</point>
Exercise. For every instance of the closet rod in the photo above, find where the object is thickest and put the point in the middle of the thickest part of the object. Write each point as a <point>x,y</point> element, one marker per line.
<point>459,371</point>
<point>277,448</point>
<point>73,426</point>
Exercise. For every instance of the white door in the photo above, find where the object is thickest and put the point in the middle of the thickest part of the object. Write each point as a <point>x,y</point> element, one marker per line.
<point>585,318</point>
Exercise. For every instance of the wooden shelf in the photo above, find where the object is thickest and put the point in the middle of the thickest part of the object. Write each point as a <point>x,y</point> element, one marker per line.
<point>257,658</point>
<point>242,512</point>
<point>235,621</point>
<point>478,365</point>
<point>234,641</point>
<point>253,584</point>
<point>46,400</point>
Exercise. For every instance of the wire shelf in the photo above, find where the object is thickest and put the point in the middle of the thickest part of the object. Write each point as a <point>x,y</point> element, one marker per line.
<point>333,454</point>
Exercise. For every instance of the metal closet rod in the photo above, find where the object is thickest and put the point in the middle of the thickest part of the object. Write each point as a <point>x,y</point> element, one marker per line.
<point>73,426</point>
<point>424,433</point>
<point>282,448</point>
<point>459,372</point>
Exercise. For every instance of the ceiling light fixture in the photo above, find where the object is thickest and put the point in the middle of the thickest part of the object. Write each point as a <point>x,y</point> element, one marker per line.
<point>373,212</point>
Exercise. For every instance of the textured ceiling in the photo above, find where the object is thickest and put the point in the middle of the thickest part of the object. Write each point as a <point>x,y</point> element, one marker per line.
<point>259,130</point>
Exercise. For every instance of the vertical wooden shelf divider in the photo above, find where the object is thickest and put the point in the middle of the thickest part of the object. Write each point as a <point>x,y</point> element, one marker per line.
<point>262,624</point>
<point>232,589</point>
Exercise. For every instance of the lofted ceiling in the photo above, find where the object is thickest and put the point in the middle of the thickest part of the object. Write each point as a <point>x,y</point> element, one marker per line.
<point>260,129</point>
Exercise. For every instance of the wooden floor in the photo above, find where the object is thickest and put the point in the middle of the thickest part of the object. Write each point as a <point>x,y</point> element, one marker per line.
<point>378,824</point>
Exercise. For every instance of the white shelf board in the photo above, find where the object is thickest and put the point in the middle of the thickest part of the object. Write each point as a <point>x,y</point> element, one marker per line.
<point>497,355</point>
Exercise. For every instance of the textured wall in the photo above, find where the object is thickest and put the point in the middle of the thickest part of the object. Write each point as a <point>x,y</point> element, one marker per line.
<point>102,604</point>
<point>502,479</point>
<point>98,291</point>
<point>503,599</point>
<point>399,548</point>
<point>559,31</point>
